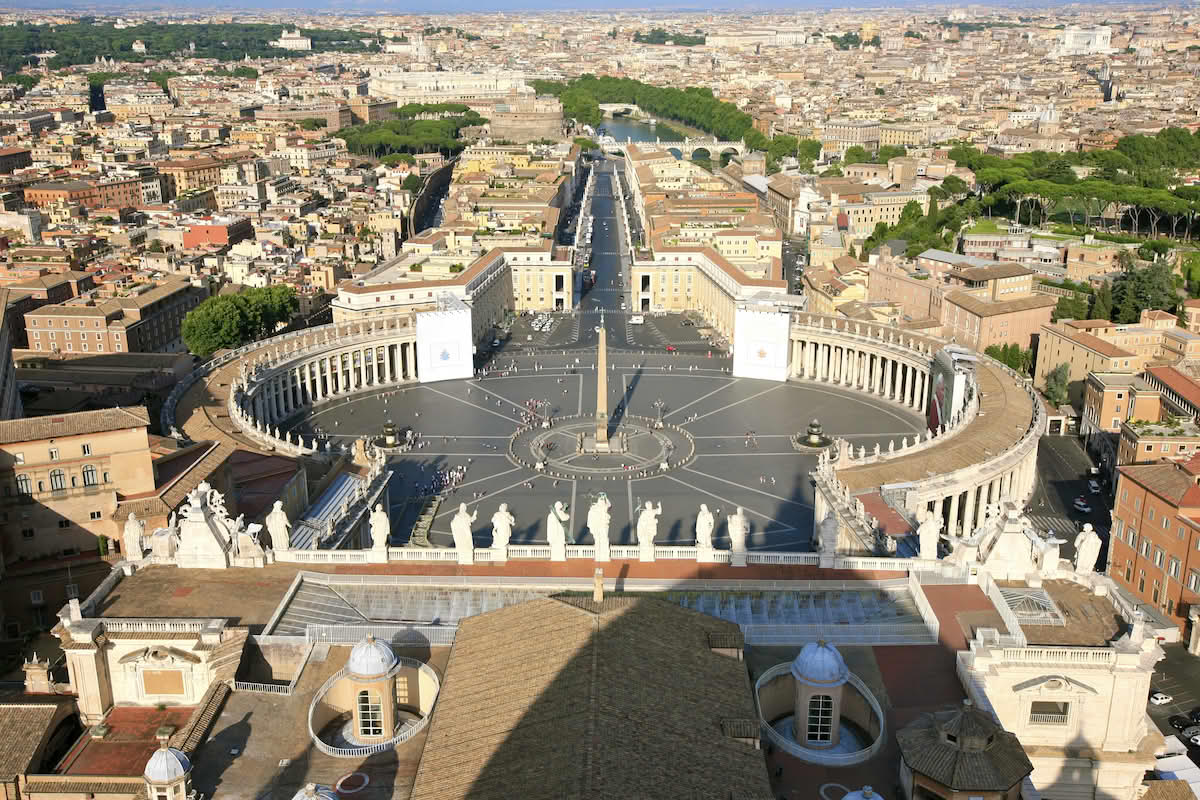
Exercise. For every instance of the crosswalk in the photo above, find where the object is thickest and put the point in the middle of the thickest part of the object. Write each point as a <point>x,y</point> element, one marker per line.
<point>1060,526</point>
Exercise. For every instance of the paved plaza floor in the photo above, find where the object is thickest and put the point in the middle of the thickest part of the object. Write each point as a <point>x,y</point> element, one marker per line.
<point>741,427</point>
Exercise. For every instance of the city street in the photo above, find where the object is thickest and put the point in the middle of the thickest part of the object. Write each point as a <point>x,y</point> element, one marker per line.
<point>1061,478</point>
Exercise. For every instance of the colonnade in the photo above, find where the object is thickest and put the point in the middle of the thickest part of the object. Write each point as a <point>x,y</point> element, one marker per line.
<point>292,387</point>
<point>963,507</point>
<point>866,369</point>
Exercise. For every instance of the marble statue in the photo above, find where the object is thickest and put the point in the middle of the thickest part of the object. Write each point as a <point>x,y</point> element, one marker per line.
<point>556,531</point>
<point>132,535</point>
<point>1050,556</point>
<point>460,528</point>
<point>927,534</point>
<point>279,527</point>
<point>647,529</point>
<point>1087,550</point>
<point>828,534</point>
<point>738,527</point>
<point>598,521</point>
<point>704,530</point>
<point>502,525</point>
<point>381,528</point>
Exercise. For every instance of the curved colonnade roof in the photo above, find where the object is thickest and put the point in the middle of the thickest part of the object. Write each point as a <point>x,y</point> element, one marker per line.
<point>1005,410</point>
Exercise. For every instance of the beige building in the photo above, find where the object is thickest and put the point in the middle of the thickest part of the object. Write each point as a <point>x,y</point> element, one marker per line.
<point>64,475</point>
<point>145,319</point>
<point>1073,344</point>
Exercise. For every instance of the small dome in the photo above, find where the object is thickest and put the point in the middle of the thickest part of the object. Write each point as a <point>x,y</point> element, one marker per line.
<point>315,792</point>
<point>371,658</point>
<point>865,793</point>
<point>166,765</point>
<point>820,664</point>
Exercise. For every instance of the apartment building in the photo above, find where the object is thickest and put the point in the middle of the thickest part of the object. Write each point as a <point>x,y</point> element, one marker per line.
<point>839,135</point>
<point>146,319</point>
<point>63,475</point>
<point>1154,546</point>
<point>181,177</point>
<point>993,305</point>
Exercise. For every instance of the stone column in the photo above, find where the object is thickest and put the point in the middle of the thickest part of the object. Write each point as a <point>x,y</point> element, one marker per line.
<point>810,368</point>
<point>952,522</point>
<point>969,511</point>
<point>937,507</point>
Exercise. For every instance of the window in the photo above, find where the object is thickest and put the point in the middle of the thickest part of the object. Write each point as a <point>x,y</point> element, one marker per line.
<point>1145,547</point>
<point>1158,557</point>
<point>1173,567</point>
<point>370,714</point>
<point>58,479</point>
<point>1043,712</point>
<point>54,454</point>
<point>89,475</point>
<point>18,458</point>
<point>94,515</point>
<point>36,598</point>
<point>23,485</point>
<point>64,523</point>
<point>87,449</point>
<point>27,533</point>
<point>1150,513</point>
<point>1192,581</point>
<point>820,718</point>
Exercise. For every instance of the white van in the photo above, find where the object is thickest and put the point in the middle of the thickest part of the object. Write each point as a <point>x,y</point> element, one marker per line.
<point>637,319</point>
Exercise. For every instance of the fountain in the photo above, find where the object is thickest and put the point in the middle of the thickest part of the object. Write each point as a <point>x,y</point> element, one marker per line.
<point>814,438</point>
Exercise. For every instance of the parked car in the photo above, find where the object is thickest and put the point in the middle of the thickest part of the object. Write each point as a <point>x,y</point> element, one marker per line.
<point>1194,715</point>
<point>1082,506</point>
<point>1179,722</point>
<point>1094,487</point>
<point>1160,698</point>
<point>670,348</point>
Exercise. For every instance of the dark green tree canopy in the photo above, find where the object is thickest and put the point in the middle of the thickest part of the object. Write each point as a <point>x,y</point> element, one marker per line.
<point>227,321</point>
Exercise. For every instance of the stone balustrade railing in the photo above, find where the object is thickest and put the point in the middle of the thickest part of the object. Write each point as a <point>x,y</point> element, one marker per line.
<point>848,457</point>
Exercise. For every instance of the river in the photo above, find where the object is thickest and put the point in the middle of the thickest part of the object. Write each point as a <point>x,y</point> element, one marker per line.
<point>622,129</point>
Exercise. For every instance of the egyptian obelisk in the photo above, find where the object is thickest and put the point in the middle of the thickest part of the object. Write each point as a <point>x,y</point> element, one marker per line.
<point>601,443</point>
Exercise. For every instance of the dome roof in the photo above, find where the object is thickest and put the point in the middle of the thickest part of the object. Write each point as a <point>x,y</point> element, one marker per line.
<point>865,793</point>
<point>371,658</point>
<point>315,792</point>
<point>969,728</point>
<point>820,664</point>
<point>167,764</point>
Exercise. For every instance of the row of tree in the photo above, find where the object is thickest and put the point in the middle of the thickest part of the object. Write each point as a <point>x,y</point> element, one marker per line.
<point>694,106</point>
<point>80,43</point>
<point>378,139</point>
<point>228,321</point>
<point>1131,183</point>
<point>661,36</point>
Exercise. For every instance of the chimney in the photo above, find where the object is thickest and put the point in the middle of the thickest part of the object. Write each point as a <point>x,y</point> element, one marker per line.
<point>598,586</point>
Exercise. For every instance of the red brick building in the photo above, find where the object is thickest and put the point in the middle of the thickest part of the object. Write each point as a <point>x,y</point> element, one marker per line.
<point>1154,549</point>
<point>218,231</point>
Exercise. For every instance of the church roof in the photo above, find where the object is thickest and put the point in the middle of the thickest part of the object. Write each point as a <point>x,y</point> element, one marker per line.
<point>964,749</point>
<point>566,698</point>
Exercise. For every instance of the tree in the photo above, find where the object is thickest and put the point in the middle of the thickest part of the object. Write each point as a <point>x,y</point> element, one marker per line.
<point>954,185</point>
<point>586,144</point>
<point>1152,287</point>
<point>412,182</point>
<point>227,321</point>
<point>1056,384</point>
<point>1102,303</point>
<point>855,155</point>
<point>313,123</point>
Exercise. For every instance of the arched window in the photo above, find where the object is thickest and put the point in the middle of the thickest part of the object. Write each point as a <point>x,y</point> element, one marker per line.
<point>23,485</point>
<point>58,479</point>
<point>820,718</point>
<point>370,714</point>
<point>89,475</point>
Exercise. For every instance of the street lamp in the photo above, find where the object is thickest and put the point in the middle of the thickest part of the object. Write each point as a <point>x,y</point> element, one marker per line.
<point>659,407</point>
